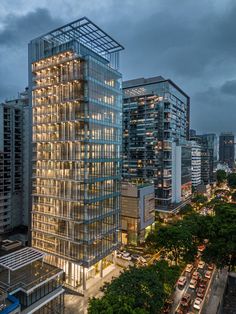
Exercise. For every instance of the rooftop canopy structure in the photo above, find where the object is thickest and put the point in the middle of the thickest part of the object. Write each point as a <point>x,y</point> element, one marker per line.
<point>85,32</point>
<point>21,258</point>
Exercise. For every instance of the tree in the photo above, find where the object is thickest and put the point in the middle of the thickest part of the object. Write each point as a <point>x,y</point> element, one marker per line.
<point>137,290</point>
<point>199,199</point>
<point>221,176</point>
<point>221,248</point>
<point>175,240</point>
<point>232,180</point>
<point>187,210</point>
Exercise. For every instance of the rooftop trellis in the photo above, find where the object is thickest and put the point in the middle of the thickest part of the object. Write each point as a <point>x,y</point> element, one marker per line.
<point>21,258</point>
<point>87,33</point>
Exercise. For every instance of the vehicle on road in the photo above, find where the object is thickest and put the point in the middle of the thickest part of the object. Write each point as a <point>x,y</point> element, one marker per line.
<point>193,284</point>
<point>203,283</point>
<point>142,260</point>
<point>210,267</point>
<point>197,303</point>
<point>200,292</point>
<point>167,306</point>
<point>201,265</point>
<point>208,274</point>
<point>135,257</point>
<point>196,275</point>
<point>182,281</point>
<point>118,254</point>
<point>201,248</point>
<point>186,300</point>
<point>189,268</point>
<point>126,256</point>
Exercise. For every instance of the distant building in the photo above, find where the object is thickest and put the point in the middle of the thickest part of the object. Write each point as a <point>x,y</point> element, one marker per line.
<point>211,140</point>
<point>196,163</point>
<point>181,172</point>
<point>207,143</point>
<point>14,163</point>
<point>137,211</point>
<point>155,115</point>
<point>226,149</point>
<point>28,284</point>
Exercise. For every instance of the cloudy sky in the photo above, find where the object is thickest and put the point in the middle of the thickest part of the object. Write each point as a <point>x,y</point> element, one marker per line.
<point>192,42</point>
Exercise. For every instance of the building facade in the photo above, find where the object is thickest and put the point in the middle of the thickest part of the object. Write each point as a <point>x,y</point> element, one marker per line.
<point>155,114</point>
<point>196,164</point>
<point>77,131</point>
<point>137,211</point>
<point>14,163</point>
<point>226,149</point>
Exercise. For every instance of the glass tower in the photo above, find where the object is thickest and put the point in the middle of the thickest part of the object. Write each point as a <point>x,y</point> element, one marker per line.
<point>76,108</point>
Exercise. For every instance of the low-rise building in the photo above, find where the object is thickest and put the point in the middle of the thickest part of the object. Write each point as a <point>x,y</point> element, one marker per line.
<point>137,211</point>
<point>28,284</point>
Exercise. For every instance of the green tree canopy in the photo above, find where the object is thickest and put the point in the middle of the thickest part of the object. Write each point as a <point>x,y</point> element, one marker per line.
<point>232,180</point>
<point>137,290</point>
<point>199,199</point>
<point>221,176</point>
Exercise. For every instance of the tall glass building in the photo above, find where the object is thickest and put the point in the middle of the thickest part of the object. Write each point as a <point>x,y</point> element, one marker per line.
<point>155,115</point>
<point>76,108</point>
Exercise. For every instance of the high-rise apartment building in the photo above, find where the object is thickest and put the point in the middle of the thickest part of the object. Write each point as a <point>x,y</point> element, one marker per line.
<point>77,131</point>
<point>196,163</point>
<point>14,163</point>
<point>155,115</point>
<point>226,149</point>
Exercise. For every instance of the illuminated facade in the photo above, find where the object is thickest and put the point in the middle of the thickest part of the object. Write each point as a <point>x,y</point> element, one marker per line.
<point>76,109</point>
<point>155,115</point>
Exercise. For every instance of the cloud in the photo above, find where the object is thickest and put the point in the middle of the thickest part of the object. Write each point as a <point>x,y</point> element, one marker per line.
<point>229,87</point>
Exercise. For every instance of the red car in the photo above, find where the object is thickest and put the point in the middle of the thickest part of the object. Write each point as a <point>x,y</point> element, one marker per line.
<point>203,283</point>
<point>200,292</point>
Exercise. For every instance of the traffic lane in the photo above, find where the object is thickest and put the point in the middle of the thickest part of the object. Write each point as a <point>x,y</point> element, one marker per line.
<point>193,292</point>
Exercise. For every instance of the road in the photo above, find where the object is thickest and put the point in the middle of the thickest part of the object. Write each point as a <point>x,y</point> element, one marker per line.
<point>180,292</point>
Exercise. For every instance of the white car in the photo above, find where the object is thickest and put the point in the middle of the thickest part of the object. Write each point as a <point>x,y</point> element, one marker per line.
<point>201,265</point>
<point>197,303</point>
<point>193,283</point>
<point>142,260</point>
<point>189,268</point>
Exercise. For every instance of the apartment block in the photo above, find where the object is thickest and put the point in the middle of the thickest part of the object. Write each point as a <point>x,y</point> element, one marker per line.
<point>76,98</point>
<point>155,115</point>
<point>196,163</point>
<point>14,163</point>
<point>137,211</point>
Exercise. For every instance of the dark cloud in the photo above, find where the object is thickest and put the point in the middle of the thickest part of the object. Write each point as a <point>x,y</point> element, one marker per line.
<point>229,87</point>
<point>193,43</point>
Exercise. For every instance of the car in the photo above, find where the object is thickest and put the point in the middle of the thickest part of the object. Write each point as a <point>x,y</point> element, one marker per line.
<point>142,259</point>
<point>197,303</point>
<point>167,306</point>
<point>182,281</point>
<point>200,293</point>
<point>201,265</point>
<point>189,268</point>
<point>201,248</point>
<point>119,254</point>
<point>208,274</point>
<point>210,266</point>
<point>196,275</point>
<point>186,300</point>
<point>193,284</point>
<point>135,257</point>
<point>203,283</point>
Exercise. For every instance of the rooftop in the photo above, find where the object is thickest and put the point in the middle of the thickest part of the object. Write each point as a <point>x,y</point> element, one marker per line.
<point>86,32</point>
<point>20,258</point>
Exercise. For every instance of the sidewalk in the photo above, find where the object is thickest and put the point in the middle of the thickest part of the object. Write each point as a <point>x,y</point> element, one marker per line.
<point>76,304</point>
<point>216,292</point>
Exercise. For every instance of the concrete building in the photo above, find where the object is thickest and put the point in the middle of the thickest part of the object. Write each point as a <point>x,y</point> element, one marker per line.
<point>181,173</point>
<point>28,284</point>
<point>137,211</point>
<point>76,97</point>
<point>226,149</point>
<point>196,164</point>
<point>155,114</point>
<point>14,163</point>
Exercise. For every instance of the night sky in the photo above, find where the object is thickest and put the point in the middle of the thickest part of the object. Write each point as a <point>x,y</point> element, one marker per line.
<point>192,42</point>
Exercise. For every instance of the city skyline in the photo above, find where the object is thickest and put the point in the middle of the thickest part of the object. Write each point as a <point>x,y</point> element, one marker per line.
<point>190,53</point>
